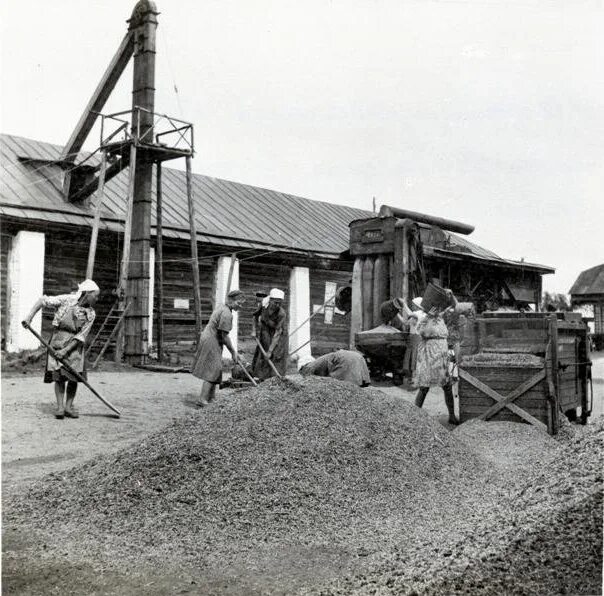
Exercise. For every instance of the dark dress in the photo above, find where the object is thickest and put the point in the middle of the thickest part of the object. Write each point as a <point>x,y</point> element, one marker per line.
<point>208,359</point>
<point>343,365</point>
<point>269,321</point>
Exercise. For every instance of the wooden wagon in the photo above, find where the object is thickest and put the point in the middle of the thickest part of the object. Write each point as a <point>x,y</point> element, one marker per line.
<point>525,368</point>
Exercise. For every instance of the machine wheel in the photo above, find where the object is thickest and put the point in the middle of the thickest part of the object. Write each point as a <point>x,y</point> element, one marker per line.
<point>571,414</point>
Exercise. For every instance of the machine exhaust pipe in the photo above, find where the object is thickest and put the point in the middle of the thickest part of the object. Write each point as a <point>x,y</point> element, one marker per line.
<point>444,224</point>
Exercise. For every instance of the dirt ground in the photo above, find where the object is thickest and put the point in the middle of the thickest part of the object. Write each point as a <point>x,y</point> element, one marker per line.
<point>34,444</point>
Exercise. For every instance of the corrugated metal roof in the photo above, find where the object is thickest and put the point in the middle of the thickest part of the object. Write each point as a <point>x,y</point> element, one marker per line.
<point>227,213</point>
<point>590,281</point>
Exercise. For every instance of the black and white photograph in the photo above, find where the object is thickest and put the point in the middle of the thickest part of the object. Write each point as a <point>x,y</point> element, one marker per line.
<point>302,298</point>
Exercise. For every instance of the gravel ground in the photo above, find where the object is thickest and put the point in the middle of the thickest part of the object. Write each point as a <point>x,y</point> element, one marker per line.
<point>317,487</point>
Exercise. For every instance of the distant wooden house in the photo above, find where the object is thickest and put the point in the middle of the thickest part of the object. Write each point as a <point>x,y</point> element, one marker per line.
<point>276,240</point>
<point>588,290</point>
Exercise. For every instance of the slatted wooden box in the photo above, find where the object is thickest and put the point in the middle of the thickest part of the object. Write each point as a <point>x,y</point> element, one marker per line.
<point>546,373</point>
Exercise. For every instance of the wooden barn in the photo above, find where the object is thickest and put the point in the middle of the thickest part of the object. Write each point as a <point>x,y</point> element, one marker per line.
<point>260,238</point>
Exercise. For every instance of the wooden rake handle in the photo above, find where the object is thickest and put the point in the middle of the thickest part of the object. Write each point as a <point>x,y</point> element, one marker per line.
<point>270,362</point>
<point>70,370</point>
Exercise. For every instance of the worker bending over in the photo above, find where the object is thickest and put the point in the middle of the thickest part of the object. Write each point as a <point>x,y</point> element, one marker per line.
<point>207,365</point>
<point>343,365</point>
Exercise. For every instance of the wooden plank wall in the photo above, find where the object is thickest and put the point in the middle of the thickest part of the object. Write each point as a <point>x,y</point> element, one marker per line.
<point>66,256</point>
<point>5,245</point>
<point>179,324</point>
<point>327,337</point>
<point>259,276</point>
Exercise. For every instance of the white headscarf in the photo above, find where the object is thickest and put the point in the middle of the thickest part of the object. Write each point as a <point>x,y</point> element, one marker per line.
<point>277,294</point>
<point>87,286</point>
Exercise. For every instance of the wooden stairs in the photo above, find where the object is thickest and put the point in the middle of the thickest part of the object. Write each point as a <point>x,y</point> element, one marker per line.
<point>107,333</point>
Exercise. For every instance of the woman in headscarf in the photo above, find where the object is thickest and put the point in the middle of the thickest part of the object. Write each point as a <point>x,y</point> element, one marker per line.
<point>215,336</point>
<point>269,324</point>
<point>73,319</point>
<point>432,366</point>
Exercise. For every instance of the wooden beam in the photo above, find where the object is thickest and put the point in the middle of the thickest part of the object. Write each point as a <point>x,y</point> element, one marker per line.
<point>159,265</point>
<point>113,170</point>
<point>97,218</point>
<point>128,222</point>
<point>99,97</point>
<point>194,257</point>
<point>356,313</point>
<point>230,277</point>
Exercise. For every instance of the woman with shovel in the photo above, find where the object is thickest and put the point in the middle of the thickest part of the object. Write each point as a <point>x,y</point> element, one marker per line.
<point>208,359</point>
<point>271,334</point>
<point>74,316</point>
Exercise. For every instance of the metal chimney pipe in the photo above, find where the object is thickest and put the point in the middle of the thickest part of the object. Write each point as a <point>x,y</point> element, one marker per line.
<point>444,224</point>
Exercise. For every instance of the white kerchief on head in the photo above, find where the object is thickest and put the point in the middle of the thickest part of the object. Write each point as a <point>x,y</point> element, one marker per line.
<point>277,294</point>
<point>87,286</point>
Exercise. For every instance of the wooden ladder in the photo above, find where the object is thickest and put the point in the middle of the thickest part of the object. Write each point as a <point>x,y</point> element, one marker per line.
<point>108,330</point>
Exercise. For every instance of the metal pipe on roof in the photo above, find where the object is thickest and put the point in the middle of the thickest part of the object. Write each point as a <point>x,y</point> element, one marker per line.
<point>445,224</point>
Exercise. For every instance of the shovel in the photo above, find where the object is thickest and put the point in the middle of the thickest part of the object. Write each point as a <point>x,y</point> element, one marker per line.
<point>270,362</point>
<point>70,370</point>
<point>247,374</point>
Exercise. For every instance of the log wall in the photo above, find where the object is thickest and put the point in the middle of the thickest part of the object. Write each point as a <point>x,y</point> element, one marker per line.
<point>5,245</point>
<point>327,337</point>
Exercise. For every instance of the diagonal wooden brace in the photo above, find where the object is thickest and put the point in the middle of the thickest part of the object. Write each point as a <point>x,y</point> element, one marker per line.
<point>521,389</point>
<point>507,400</point>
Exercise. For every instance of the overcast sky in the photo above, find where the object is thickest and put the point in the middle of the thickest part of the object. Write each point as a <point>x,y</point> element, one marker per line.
<point>484,111</point>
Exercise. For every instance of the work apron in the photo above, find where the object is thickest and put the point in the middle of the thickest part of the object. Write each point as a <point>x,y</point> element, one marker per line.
<point>68,327</point>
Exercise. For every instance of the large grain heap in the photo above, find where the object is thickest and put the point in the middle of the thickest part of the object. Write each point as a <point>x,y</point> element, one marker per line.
<point>316,486</point>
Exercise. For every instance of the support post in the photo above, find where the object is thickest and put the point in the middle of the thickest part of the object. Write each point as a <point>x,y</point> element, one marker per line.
<point>121,288</point>
<point>227,267</point>
<point>401,259</point>
<point>143,25</point>
<point>159,266</point>
<point>194,257</point>
<point>299,311</point>
<point>356,313</point>
<point>230,278</point>
<point>97,217</point>
<point>25,277</point>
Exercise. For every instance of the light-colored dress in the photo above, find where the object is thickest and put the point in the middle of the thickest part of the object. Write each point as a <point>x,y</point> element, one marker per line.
<point>343,365</point>
<point>208,359</point>
<point>432,366</point>
<point>71,321</point>
<point>410,357</point>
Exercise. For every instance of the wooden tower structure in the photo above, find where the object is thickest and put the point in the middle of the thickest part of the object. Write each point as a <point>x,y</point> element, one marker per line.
<point>142,140</point>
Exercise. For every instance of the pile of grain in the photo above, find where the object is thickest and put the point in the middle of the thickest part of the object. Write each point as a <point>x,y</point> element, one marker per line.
<point>542,536</point>
<point>502,359</point>
<point>284,468</point>
<point>320,487</point>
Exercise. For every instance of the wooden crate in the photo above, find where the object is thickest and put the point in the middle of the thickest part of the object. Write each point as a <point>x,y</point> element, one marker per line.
<point>475,401</point>
<point>537,394</point>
